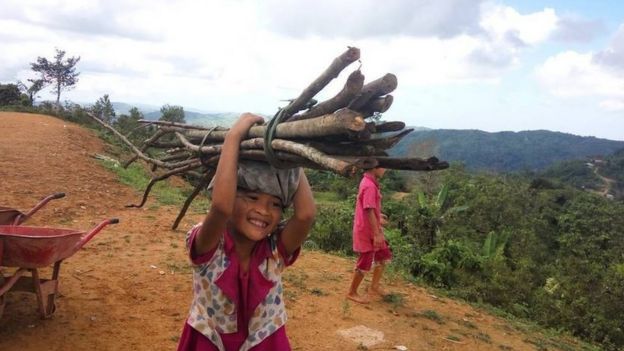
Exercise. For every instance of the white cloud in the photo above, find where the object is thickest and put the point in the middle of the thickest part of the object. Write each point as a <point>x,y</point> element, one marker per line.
<point>573,28</point>
<point>572,74</point>
<point>505,24</point>
<point>224,54</point>
<point>613,56</point>
<point>359,19</point>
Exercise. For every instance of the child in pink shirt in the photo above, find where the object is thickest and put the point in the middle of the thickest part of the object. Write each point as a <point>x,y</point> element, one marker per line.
<point>239,252</point>
<point>368,238</point>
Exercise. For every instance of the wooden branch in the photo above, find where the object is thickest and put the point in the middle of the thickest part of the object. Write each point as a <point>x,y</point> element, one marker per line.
<point>138,152</point>
<point>177,156</point>
<point>352,88</point>
<point>178,125</point>
<point>360,136</point>
<point>203,182</point>
<point>154,180</point>
<point>258,145</point>
<point>341,167</point>
<point>340,122</point>
<point>144,147</point>
<point>351,149</point>
<point>166,144</point>
<point>359,162</point>
<point>386,127</point>
<point>204,150</point>
<point>351,55</point>
<point>386,143</point>
<point>379,104</point>
<point>412,164</point>
<point>293,161</point>
<point>378,87</point>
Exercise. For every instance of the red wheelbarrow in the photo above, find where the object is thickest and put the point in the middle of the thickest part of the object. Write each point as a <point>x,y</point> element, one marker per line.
<point>15,217</point>
<point>31,248</point>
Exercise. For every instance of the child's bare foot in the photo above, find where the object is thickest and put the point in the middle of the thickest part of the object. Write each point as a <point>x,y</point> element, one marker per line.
<point>355,297</point>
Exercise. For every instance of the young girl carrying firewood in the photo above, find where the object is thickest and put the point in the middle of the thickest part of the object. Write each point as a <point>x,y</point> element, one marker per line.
<point>240,250</point>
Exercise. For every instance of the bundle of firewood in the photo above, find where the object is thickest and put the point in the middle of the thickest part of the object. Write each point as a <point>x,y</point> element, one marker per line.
<point>340,135</point>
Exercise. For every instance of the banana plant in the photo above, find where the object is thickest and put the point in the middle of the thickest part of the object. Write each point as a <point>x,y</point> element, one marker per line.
<point>435,210</point>
<point>494,245</point>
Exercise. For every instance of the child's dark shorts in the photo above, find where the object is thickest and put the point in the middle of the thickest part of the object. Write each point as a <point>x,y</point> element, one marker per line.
<point>366,260</point>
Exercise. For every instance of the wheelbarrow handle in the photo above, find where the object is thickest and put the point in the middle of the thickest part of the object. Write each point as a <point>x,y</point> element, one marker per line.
<point>41,203</point>
<point>94,231</point>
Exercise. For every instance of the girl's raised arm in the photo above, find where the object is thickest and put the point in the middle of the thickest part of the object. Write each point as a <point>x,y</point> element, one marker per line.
<point>296,230</point>
<point>224,186</point>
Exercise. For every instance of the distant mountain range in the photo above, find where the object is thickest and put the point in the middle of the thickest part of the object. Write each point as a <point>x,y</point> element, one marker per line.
<point>477,150</point>
<point>192,116</point>
<point>503,151</point>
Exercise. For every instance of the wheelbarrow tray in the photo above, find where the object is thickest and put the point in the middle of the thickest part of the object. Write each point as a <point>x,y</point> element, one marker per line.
<point>36,247</point>
<point>8,215</point>
<point>15,217</point>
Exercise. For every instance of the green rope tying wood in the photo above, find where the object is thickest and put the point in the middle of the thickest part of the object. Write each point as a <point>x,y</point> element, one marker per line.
<point>269,134</point>
<point>283,114</point>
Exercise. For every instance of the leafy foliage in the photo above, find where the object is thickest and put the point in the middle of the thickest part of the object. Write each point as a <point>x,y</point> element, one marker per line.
<point>9,94</point>
<point>36,85</point>
<point>601,174</point>
<point>59,72</point>
<point>103,109</point>
<point>172,114</point>
<point>536,249</point>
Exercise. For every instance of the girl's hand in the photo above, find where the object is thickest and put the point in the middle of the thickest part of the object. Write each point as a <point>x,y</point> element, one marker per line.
<point>244,123</point>
<point>378,241</point>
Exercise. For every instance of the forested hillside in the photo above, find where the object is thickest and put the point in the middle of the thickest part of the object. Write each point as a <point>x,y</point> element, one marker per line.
<point>552,254</point>
<point>504,151</point>
<point>603,175</point>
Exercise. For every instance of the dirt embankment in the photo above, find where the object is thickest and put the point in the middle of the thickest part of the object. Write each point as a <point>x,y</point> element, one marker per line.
<point>129,288</point>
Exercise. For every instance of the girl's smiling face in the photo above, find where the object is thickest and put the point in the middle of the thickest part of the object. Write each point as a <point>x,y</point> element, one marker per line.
<point>256,214</point>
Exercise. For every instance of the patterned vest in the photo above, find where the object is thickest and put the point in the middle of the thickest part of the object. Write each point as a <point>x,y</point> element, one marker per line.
<point>213,312</point>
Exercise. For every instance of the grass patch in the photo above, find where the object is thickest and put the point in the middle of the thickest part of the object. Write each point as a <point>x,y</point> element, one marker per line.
<point>296,279</point>
<point>432,315</point>
<point>346,309</point>
<point>467,324</point>
<point>138,178</point>
<point>326,198</point>
<point>483,337</point>
<point>396,300</point>
<point>453,338</point>
<point>318,292</point>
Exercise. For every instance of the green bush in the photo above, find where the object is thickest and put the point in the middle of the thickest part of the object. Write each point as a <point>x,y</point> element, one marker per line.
<point>333,228</point>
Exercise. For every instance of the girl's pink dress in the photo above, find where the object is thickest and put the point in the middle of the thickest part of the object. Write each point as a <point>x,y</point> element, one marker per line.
<point>192,340</point>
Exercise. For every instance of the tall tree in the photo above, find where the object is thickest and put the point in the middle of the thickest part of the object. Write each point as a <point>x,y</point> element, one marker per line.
<point>172,114</point>
<point>60,72</point>
<point>103,109</point>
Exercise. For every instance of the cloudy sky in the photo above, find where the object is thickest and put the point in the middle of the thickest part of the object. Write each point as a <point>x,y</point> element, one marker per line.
<point>461,64</point>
